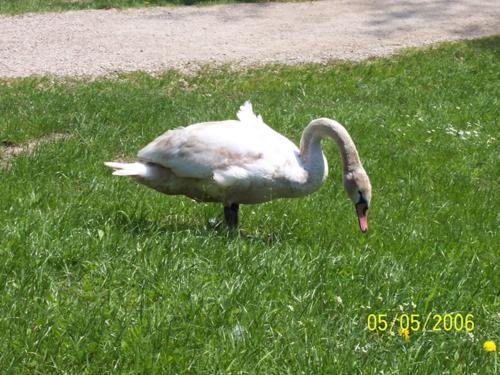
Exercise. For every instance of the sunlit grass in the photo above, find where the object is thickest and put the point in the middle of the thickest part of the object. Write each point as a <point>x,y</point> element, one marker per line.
<point>102,275</point>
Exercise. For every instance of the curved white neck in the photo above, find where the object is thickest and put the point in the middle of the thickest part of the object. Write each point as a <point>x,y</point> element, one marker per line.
<point>312,156</point>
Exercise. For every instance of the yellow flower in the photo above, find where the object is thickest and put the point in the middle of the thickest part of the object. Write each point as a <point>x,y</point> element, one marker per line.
<point>490,346</point>
<point>404,333</point>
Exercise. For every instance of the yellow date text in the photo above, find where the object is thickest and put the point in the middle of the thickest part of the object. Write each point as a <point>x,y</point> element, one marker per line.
<point>417,322</point>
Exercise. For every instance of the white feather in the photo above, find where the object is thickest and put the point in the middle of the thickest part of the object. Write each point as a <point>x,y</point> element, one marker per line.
<point>247,115</point>
<point>128,169</point>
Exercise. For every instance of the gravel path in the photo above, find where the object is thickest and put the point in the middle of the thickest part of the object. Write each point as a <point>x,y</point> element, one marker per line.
<point>102,41</point>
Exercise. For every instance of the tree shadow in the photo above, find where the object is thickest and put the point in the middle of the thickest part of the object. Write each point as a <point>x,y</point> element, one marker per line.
<point>408,15</point>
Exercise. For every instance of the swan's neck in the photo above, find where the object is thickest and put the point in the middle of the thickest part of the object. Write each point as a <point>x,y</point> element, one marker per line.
<point>312,156</point>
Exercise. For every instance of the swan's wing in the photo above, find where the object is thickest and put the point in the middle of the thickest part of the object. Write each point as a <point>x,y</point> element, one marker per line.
<point>247,116</point>
<point>226,151</point>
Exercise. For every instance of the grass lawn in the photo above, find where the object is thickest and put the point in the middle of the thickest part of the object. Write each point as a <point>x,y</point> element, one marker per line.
<point>22,6</point>
<point>101,275</point>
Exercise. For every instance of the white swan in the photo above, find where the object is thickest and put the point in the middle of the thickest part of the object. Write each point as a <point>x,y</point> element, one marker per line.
<point>245,162</point>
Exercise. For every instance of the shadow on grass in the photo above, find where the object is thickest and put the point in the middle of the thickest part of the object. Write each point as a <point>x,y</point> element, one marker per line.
<point>139,225</point>
<point>489,44</point>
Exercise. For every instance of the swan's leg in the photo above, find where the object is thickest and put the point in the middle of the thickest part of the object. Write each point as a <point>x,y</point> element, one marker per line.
<point>231,215</point>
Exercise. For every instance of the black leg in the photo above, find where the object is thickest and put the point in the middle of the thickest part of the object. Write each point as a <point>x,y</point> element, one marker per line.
<point>231,215</point>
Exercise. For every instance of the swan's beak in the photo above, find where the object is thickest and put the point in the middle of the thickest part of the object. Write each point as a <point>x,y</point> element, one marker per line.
<point>362,211</point>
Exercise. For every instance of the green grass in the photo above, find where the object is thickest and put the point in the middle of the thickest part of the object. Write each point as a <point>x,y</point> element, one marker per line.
<point>23,6</point>
<point>101,275</point>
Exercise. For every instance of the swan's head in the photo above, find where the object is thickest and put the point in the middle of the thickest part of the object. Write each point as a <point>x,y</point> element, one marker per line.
<point>358,187</point>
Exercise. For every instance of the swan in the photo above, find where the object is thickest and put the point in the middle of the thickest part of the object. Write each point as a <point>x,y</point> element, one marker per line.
<point>245,161</point>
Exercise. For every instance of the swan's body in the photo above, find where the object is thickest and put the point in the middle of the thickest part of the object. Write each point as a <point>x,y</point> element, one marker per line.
<point>243,161</point>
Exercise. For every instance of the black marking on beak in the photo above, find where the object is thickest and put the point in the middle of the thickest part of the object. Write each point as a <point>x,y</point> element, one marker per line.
<point>362,199</point>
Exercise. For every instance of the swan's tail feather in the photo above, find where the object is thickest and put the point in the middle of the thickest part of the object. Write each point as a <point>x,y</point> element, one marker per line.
<point>247,115</point>
<point>127,169</point>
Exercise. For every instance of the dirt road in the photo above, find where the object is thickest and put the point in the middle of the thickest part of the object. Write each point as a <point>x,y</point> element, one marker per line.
<point>101,41</point>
